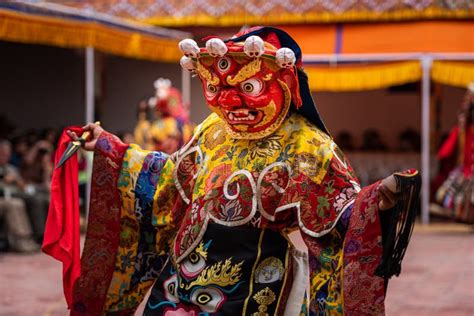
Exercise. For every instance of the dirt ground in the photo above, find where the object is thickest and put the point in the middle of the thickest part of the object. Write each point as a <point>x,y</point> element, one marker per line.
<point>437,278</point>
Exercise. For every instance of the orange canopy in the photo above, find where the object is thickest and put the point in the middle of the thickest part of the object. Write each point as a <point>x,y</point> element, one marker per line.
<point>409,37</point>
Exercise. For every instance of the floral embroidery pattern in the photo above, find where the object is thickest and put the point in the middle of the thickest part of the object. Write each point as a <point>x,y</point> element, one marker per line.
<point>266,147</point>
<point>231,211</point>
<point>297,177</point>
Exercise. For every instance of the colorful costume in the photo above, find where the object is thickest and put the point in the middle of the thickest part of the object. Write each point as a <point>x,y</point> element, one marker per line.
<point>208,226</point>
<point>170,128</point>
<point>456,194</point>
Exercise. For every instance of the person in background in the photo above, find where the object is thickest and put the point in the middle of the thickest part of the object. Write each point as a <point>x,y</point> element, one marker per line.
<point>50,135</point>
<point>20,149</point>
<point>409,140</point>
<point>372,141</point>
<point>16,227</point>
<point>126,137</point>
<point>85,169</point>
<point>142,129</point>
<point>36,170</point>
<point>162,121</point>
<point>455,195</point>
<point>345,141</point>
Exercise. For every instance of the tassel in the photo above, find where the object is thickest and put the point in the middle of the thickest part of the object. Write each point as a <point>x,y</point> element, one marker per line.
<point>398,223</point>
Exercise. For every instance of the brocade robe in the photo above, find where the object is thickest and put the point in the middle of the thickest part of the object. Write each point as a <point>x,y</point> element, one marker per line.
<point>208,228</point>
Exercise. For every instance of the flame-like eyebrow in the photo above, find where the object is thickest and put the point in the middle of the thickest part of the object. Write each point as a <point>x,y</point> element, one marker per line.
<point>247,71</point>
<point>206,74</point>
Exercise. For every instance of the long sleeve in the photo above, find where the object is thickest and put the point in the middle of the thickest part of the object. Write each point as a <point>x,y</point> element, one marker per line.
<point>130,224</point>
<point>352,251</point>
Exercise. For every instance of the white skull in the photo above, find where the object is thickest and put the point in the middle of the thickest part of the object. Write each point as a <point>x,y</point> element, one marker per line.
<point>216,47</point>
<point>254,46</point>
<point>162,87</point>
<point>285,57</point>
<point>189,48</point>
<point>187,63</point>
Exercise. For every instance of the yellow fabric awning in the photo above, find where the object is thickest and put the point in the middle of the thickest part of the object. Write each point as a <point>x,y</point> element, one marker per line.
<point>458,74</point>
<point>25,27</point>
<point>362,77</point>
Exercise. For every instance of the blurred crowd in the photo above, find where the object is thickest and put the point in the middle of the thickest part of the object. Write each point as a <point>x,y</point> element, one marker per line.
<point>26,168</point>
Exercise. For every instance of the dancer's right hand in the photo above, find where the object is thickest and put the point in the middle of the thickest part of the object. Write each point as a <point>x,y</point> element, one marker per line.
<point>95,131</point>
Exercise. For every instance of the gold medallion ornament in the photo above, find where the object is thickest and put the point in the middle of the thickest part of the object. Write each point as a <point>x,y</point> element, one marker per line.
<point>264,298</point>
<point>269,270</point>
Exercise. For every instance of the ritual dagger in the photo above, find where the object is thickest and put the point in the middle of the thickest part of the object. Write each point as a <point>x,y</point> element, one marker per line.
<point>74,146</point>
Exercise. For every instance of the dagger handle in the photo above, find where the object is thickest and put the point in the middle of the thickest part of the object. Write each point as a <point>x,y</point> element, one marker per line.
<point>85,135</point>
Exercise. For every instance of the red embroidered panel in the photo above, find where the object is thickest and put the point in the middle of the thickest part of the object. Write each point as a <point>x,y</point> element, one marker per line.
<point>103,232</point>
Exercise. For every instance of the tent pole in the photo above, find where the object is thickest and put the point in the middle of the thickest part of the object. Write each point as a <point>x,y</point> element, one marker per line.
<point>90,96</point>
<point>186,86</point>
<point>426,63</point>
<point>89,84</point>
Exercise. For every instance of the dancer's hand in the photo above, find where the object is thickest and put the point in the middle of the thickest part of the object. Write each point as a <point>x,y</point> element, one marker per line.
<point>387,193</point>
<point>94,129</point>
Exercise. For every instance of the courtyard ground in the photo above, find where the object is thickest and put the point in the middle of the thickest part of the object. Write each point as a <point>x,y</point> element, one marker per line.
<point>437,278</point>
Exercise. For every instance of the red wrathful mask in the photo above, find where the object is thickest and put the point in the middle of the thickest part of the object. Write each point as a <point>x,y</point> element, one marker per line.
<point>250,84</point>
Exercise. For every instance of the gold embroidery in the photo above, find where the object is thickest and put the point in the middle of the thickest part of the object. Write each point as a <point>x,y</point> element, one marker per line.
<point>268,77</point>
<point>219,274</point>
<point>268,111</point>
<point>201,251</point>
<point>247,71</point>
<point>206,74</point>
<point>264,298</point>
<point>269,270</point>
<point>259,251</point>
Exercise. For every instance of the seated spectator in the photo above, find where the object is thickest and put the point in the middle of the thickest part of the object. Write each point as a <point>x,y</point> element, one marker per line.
<point>84,160</point>
<point>36,171</point>
<point>37,166</point>
<point>20,149</point>
<point>50,135</point>
<point>345,141</point>
<point>372,141</point>
<point>17,227</point>
<point>409,140</point>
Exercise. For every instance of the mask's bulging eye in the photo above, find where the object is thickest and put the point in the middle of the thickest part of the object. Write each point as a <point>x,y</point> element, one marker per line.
<point>193,258</point>
<point>211,90</point>
<point>170,289</point>
<point>248,87</point>
<point>209,298</point>
<point>193,265</point>
<point>223,64</point>
<point>203,298</point>
<point>251,86</point>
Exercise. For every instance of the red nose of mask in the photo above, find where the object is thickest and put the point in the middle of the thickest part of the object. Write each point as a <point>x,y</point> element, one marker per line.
<point>229,99</point>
